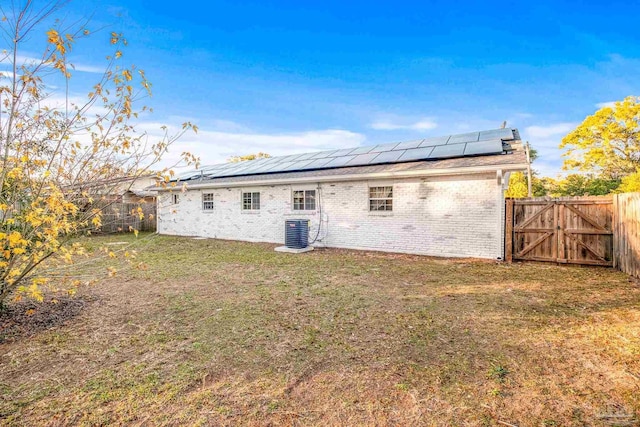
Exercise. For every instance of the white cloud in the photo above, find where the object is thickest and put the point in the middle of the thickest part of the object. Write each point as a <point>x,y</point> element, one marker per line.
<point>214,146</point>
<point>545,139</point>
<point>219,125</point>
<point>32,60</point>
<point>420,125</point>
<point>550,131</point>
<point>57,101</point>
<point>88,68</point>
<point>606,104</point>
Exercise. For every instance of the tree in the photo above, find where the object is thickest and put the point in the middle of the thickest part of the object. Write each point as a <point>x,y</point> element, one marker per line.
<point>584,185</point>
<point>607,142</point>
<point>518,187</point>
<point>259,155</point>
<point>52,155</point>
<point>630,183</point>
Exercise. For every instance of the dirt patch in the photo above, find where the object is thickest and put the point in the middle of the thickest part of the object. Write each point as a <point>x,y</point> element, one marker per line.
<point>27,318</point>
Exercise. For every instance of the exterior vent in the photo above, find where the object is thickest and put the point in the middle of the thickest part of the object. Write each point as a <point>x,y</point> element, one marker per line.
<point>296,233</point>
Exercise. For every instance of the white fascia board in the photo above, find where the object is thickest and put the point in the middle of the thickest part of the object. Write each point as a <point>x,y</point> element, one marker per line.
<point>351,177</point>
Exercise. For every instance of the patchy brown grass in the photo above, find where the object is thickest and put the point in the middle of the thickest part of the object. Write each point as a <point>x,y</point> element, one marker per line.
<point>227,333</point>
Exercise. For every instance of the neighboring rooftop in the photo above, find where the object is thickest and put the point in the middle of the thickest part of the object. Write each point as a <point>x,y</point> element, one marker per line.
<point>429,152</point>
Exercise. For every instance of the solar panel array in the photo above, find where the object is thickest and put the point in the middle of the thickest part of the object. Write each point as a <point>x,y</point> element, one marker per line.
<point>436,148</point>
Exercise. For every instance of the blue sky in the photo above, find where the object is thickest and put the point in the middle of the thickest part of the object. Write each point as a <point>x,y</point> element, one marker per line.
<point>289,76</point>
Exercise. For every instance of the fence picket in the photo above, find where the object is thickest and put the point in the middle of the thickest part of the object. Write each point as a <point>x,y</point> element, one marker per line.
<point>627,233</point>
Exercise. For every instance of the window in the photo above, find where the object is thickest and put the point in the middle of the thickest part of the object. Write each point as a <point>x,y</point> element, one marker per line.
<point>304,200</point>
<point>207,201</point>
<point>175,199</point>
<point>250,201</point>
<point>380,198</point>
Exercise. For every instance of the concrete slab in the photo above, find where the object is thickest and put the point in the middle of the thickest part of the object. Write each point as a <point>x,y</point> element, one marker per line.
<point>292,250</point>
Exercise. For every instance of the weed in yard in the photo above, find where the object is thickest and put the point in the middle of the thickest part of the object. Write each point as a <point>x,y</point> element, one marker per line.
<point>274,405</point>
<point>402,387</point>
<point>498,373</point>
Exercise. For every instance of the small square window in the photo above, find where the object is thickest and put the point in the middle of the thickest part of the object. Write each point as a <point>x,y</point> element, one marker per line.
<point>304,200</point>
<point>175,199</point>
<point>207,201</point>
<point>251,201</point>
<point>380,199</point>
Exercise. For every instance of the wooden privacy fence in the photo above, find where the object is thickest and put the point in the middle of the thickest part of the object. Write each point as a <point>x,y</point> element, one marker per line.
<point>118,217</point>
<point>627,233</point>
<point>599,230</point>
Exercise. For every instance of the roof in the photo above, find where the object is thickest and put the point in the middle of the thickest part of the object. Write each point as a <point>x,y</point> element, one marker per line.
<point>486,150</point>
<point>142,192</point>
<point>105,182</point>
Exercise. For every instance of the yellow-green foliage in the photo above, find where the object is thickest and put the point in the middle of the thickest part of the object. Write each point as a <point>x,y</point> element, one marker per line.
<point>259,155</point>
<point>517,186</point>
<point>583,185</point>
<point>571,185</point>
<point>630,183</point>
<point>539,186</point>
<point>57,165</point>
<point>608,141</point>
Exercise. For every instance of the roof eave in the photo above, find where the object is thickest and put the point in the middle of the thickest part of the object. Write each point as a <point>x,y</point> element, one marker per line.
<point>474,170</point>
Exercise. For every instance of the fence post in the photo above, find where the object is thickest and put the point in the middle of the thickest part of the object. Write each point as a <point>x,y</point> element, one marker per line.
<point>615,214</point>
<point>508,231</point>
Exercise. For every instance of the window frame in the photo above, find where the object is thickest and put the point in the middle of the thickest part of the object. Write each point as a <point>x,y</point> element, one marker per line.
<point>304,205</point>
<point>208,202</point>
<point>253,200</point>
<point>387,200</point>
<point>175,198</point>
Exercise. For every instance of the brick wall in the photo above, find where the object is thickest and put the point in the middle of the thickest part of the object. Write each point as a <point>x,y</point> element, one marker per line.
<point>458,216</point>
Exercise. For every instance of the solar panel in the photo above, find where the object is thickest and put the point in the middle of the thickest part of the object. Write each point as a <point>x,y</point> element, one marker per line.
<point>288,158</point>
<point>430,142</point>
<point>384,147</point>
<point>466,144</point>
<point>306,156</point>
<point>298,164</point>
<point>189,175</point>
<point>416,154</point>
<point>276,167</point>
<point>463,137</point>
<point>339,161</point>
<point>388,156</point>
<point>255,168</point>
<point>340,153</point>
<point>483,147</point>
<point>318,163</point>
<point>445,151</point>
<point>409,144</point>
<point>362,159</point>
<point>505,134</point>
<point>361,150</point>
<point>323,154</point>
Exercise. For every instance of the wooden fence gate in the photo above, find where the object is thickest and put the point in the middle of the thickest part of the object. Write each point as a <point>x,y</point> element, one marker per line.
<point>576,230</point>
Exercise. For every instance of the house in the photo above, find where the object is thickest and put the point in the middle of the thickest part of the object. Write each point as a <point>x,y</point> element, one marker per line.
<point>125,189</point>
<point>441,196</point>
<point>119,198</point>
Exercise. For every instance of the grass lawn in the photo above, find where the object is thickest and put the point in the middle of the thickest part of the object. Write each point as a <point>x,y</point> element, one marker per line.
<point>227,333</point>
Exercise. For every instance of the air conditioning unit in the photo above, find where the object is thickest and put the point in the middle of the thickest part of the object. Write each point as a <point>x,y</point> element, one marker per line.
<point>296,233</point>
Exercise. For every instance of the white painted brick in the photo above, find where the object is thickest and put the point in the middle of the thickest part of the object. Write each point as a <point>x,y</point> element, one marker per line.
<point>441,216</point>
